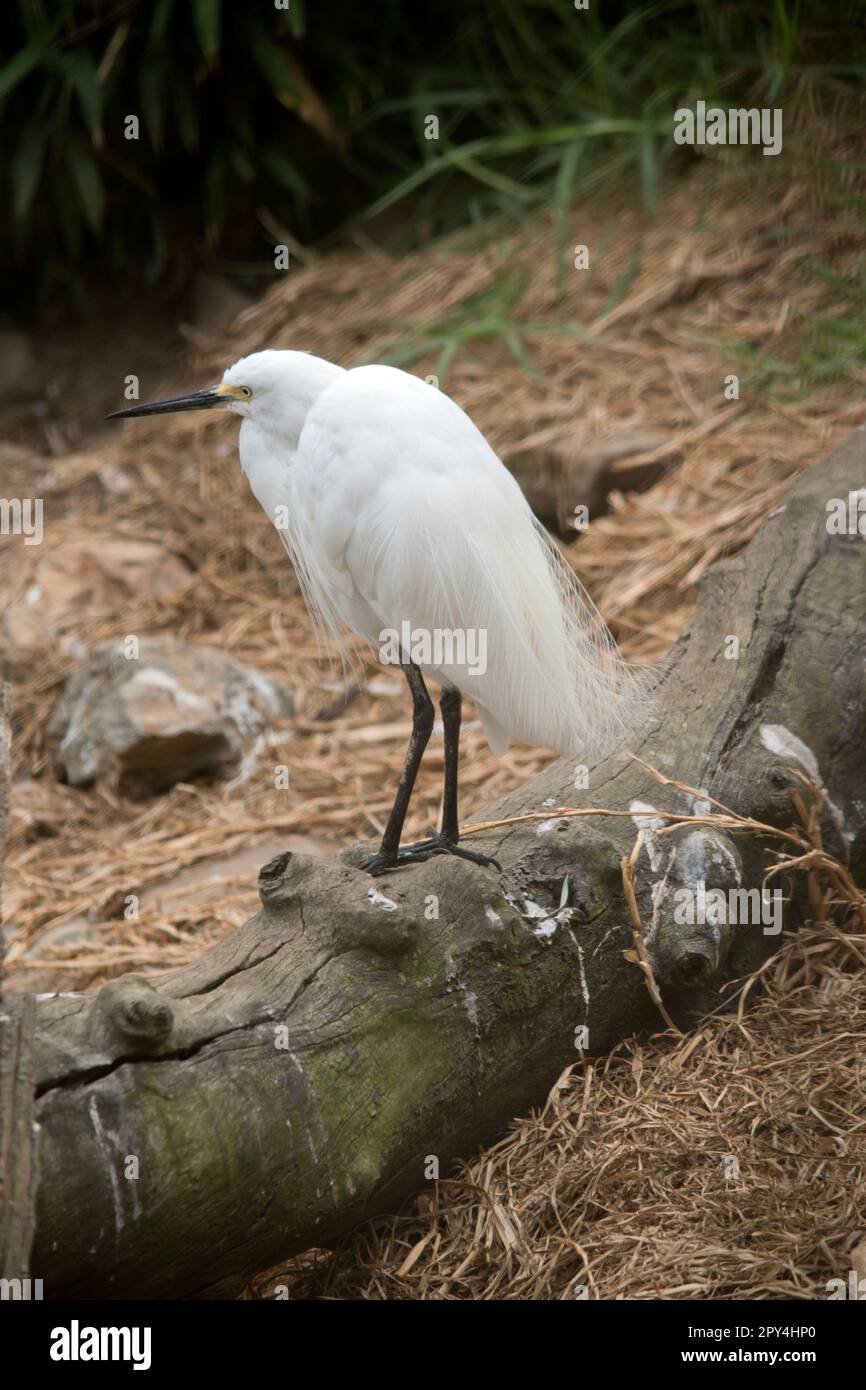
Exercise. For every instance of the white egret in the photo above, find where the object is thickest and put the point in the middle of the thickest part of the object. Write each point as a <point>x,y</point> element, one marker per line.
<point>404,526</point>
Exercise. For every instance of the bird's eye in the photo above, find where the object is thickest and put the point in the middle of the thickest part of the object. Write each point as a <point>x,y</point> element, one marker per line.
<point>247,392</point>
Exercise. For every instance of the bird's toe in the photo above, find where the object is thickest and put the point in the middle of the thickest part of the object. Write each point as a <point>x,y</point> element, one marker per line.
<point>418,853</point>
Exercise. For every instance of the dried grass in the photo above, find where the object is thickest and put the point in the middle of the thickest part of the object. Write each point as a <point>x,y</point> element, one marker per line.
<point>711,271</point>
<point>619,1184</point>
<point>728,1165</point>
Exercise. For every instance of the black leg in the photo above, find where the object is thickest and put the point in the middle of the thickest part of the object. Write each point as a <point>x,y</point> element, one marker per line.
<point>451,705</point>
<point>422,727</point>
<point>444,841</point>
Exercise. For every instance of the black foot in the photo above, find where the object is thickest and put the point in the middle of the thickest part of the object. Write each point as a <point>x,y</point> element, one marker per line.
<point>425,849</point>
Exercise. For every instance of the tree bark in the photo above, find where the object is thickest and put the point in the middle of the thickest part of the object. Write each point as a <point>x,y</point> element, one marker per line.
<point>17,1083</point>
<point>317,1064</point>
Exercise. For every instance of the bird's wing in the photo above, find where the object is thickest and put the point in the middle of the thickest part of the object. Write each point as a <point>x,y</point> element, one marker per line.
<point>406,515</point>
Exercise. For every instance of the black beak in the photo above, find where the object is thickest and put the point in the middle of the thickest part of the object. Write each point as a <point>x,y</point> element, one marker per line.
<point>198,400</point>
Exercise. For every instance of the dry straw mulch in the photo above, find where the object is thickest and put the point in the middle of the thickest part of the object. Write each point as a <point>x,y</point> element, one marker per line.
<point>731,261</point>
<point>619,1185</point>
<point>728,1164</point>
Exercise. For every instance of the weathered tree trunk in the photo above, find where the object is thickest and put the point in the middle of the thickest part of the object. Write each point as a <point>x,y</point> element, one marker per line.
<point>303,1072</point>
<point>17,1086</point>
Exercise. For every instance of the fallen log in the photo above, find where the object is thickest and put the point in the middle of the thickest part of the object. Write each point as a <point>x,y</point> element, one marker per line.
<point>344,1046</point>
<point>17,1087</point>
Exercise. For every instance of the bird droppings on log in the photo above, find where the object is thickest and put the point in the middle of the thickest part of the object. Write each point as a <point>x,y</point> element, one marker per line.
<point>544,827</point>
<point>781,741</point>
<point>379,900</point>
<point>784,744</point>
<point>648,821</point>
<point>704,856</point>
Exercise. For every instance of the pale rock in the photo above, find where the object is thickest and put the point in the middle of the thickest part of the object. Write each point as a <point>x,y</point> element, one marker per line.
<point>175,712</point>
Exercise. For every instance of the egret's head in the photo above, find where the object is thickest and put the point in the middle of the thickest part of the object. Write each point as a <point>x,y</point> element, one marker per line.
<point>274,388</point>
<point>261,385</point>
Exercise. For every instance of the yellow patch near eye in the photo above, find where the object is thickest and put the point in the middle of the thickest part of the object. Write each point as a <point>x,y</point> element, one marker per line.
<point>238,393</point>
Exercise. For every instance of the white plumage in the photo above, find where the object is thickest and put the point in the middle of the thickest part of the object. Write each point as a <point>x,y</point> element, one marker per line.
<point>404,526</point>
<point>395,509</point>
